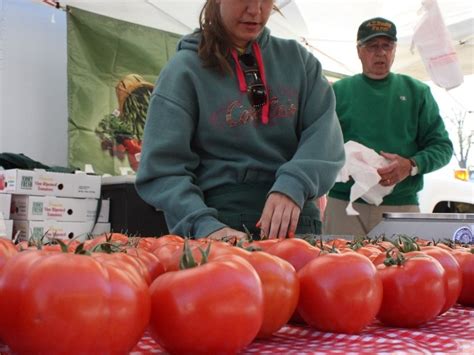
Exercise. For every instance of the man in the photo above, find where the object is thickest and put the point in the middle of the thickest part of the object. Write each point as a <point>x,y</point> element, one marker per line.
<point>396,116</point>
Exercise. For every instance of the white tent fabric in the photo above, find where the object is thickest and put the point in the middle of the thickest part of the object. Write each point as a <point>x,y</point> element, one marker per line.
<point>327,27</point>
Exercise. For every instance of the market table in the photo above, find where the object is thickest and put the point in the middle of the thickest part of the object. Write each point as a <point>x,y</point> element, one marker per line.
<point>452,332</point>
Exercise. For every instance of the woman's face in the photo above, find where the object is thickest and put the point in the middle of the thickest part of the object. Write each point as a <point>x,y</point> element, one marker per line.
<point>244,19</point>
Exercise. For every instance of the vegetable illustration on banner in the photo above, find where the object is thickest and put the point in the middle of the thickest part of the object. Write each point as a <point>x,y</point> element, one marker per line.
<point>121,131</point>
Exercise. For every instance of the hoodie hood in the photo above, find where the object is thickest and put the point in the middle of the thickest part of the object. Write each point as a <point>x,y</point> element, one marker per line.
<point>191,41</point>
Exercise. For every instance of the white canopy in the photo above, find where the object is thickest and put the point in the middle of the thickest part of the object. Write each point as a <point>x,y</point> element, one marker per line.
<point>327,27</point>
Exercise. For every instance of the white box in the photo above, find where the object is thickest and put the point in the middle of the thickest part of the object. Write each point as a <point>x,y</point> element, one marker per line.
<point>43,183</point>
<point>62,230</point>
<point>38,208</point>
<point>6,228</point>
<point>5,205</point>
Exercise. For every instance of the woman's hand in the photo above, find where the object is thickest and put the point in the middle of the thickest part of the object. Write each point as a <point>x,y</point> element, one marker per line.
<point>279,217</point>
<point>227,233</point>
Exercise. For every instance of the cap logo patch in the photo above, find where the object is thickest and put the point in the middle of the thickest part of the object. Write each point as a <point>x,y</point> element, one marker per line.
<point>379,26</point>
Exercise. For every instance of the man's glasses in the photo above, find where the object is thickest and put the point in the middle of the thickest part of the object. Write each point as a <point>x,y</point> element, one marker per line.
<point>375,47</point>
<point>256,90</point>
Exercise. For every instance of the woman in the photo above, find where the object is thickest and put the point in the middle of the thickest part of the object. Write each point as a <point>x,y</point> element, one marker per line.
<point>241,130</point>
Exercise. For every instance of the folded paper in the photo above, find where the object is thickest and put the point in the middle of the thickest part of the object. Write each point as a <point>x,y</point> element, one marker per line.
<point>361,165</point>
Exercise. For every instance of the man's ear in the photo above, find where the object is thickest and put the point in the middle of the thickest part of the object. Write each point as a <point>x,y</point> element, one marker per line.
<point>358,51</point>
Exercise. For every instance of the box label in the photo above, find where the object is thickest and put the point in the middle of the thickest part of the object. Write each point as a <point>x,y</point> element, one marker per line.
<point>27,182</point>
<point>37,232</point>
<point>37,208</point>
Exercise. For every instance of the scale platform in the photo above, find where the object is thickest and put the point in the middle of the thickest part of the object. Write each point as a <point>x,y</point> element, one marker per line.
<point>454,226</point>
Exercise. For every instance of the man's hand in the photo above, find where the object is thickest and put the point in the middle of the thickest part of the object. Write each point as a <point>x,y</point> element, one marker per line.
<point>279,217</point>
<point>397,170</point>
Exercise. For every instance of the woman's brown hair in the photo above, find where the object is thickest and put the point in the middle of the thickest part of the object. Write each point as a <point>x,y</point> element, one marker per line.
<point>215,41</point>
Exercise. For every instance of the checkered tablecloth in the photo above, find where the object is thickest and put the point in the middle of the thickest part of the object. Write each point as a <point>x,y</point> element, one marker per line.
<point>452,332</point>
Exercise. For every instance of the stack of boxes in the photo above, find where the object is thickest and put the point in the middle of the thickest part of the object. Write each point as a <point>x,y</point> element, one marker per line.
<point>36,203</point>
<point>6,224</point>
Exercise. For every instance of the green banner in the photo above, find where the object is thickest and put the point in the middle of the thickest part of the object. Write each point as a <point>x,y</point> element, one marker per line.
<point>112,67</point>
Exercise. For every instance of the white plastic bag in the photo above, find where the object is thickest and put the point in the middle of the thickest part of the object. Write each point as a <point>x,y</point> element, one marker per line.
<point>362,164</point>
<point>435,46</point>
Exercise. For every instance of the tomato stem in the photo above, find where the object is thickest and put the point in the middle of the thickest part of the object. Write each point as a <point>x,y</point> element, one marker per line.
<point>187,260</point>
<point>394,258</point>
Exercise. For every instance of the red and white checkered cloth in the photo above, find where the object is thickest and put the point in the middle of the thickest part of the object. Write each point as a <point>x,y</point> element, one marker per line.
<point>453,332</point>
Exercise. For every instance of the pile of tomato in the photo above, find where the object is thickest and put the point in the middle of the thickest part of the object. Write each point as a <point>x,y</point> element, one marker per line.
<point>203,296</point>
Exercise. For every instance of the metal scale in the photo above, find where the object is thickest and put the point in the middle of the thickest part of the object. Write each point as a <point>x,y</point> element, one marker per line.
<point>454,226</point>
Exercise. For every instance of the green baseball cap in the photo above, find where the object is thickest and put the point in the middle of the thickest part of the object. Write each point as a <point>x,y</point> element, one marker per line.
<point>376,27</point>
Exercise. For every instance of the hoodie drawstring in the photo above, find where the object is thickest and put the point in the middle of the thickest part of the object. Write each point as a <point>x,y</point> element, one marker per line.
<point>240,72</point>
<point>261,69</point>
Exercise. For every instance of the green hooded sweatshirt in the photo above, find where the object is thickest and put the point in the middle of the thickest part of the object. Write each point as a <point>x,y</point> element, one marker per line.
<point>203,136</point>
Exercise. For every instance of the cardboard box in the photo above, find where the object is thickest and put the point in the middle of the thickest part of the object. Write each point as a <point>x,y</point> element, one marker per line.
<point>6,228</point>
<point>61,230</point>
<point>43,183</point>
<point>38,208</point>
<point>5,205</point>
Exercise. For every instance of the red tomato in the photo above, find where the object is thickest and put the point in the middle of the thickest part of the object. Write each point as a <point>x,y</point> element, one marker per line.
<point>370,251</point>
<point>264,244</point>
<point>297,252</point>
<point>466,262</point>
<point>127,262</point>
<point>24,245</point>
<point>209,309</point>
<point>338,243</point>
<point>7,250</point>
<point>168,252</point>
<point>117,238</point>
<point>413,292</point>
<point>339,293</point>
<point>146,243</point>
<point>423,242</point>
<point>294,250</point>
<point>380,258</point>
<point>446,247</point>
<point>166,240</point>
<point>452,271</point>
<point>71,246</point>
<point>279,282</point>
<point>280,291</point>
<point>49,299</point>
<point>151,261</point>
<point>384,245</point>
